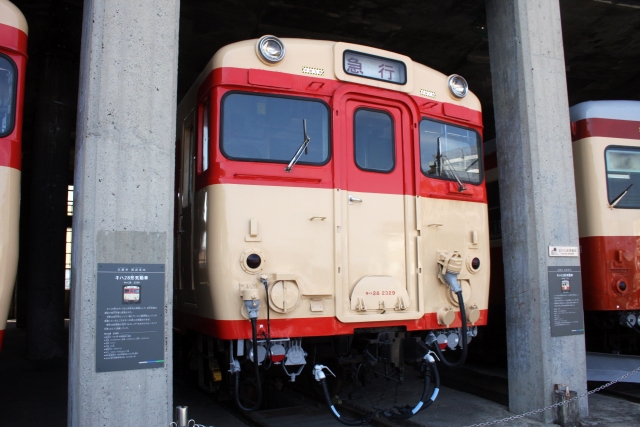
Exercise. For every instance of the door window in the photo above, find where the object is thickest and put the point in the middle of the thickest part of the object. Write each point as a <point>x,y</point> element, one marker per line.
<point>374,141</point>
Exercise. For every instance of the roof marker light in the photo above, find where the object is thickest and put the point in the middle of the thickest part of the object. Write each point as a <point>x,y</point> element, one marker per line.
<point>270,49</point>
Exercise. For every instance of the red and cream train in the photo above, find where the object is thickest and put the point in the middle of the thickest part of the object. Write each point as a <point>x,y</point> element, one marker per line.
<point>606,155</point>
<point>13,60</point>
<point>606,151</point>
<point>327,193</point>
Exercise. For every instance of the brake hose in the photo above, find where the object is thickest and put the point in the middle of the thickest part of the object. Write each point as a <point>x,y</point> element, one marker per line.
<point>256,363</point>
<point>463,339</point>
<point>407,412</point>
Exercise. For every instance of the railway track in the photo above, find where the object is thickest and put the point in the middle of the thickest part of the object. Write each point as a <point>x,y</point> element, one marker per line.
<point>299,405</point>
<point>295,407</point>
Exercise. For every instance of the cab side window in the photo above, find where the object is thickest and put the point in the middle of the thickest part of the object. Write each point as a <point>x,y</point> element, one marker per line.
<point>7,95</point>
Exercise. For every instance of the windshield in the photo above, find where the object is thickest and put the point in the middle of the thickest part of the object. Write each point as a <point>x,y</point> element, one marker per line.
<point>7,95</point>
<point>270,128</point>
<point>623,174</point>
<point>447,151</point>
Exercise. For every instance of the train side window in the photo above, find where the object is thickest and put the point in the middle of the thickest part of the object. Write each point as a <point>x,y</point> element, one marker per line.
<point>623,177</point>
<point>374,140</point>
<point>447,151</point>
<point>7,95</point>
<point>204,138</point>
<point>268,128</point>
<point>187,163</point>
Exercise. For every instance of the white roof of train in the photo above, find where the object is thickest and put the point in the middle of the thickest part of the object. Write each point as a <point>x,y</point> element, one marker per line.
<point>10,15</point>
<point>616,110</point>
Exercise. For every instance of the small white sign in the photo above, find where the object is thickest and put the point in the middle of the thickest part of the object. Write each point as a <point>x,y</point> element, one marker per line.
<point>564,251</point>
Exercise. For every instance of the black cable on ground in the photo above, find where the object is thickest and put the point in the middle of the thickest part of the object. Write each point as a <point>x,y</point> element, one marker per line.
<point>256,363</point>
<point>463,339</point>
<point>427,397</point>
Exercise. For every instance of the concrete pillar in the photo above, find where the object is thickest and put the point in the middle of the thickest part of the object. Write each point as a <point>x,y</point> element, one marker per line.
<point>123,195</point>
<point>537,193</point>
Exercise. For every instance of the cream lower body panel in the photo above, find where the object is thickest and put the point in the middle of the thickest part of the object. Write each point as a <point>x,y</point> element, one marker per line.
<point>9,224</point>
<point>303,235</point>
<point>453,225</point>
<point>290,229</point>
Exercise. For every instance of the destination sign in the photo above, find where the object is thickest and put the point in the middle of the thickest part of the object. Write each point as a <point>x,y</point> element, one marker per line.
<point>374,67</point>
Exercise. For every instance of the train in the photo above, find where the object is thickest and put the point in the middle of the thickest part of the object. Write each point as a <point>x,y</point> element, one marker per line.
<point>606,150</point>
<point>606,157</point>
<point>13,61</point>
<point>331,213</point>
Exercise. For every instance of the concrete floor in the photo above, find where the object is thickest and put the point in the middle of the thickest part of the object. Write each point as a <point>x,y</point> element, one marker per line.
<point>35,394</point>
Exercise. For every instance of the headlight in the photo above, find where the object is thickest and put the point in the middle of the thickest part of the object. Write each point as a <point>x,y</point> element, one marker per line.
<point>270,49</point>
<point>458,86</point>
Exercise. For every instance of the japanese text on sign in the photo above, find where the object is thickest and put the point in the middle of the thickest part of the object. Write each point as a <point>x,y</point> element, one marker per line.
<point>130,331</point>
<point>375,67</point>
<point>565,301</point>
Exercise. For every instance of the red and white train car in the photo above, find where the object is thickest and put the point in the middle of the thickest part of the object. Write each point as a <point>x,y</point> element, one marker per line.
<point>606,160</point>
<point>327,190</point>
<point>13,60</point>
<point>606,150</point>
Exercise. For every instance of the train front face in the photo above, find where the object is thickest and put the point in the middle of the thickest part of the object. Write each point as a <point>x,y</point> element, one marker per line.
<point>344,177</point>
<point>13,59</point>
<point>606,147</point>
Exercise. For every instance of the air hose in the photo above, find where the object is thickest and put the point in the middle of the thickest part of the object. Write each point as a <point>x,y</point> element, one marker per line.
<point>408,412</point>
<point>322,379</point>
<point>256,363</point>
<point>463,339</point>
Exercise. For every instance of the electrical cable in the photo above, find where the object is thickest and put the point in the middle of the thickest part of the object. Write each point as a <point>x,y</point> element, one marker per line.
<point>408,412</point>
<point>256,363</point>
<point>267,336</point>
<point>358,422</point>
<point>463,339</point>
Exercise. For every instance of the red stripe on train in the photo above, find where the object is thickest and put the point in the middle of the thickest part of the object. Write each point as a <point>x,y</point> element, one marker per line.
<point>225,171</point>
<point>304,327</point>
<point>606,261</point>
<point>13,39</point>
<point>1,338</point>
<point>605,127</point>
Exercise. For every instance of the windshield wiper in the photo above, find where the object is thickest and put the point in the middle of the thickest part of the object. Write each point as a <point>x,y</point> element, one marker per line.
<point>440,164</point>
<point>303,147</point>
<point>461,186</point>
<point>617,199</point>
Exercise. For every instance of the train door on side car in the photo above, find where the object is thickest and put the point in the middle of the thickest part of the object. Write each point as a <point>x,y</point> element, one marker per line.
<point>185,211</point>
<point>376,134</point>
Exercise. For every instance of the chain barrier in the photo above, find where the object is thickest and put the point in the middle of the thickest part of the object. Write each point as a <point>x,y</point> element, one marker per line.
<point>556,405</point>
<point>191,423</point>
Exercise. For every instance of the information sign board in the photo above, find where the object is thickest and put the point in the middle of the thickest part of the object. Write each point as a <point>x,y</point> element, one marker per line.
<point>565,301</point>
<point>130,317</point>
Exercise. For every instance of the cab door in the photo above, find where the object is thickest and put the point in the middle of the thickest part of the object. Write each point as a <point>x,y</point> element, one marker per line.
<point>378,174</point>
